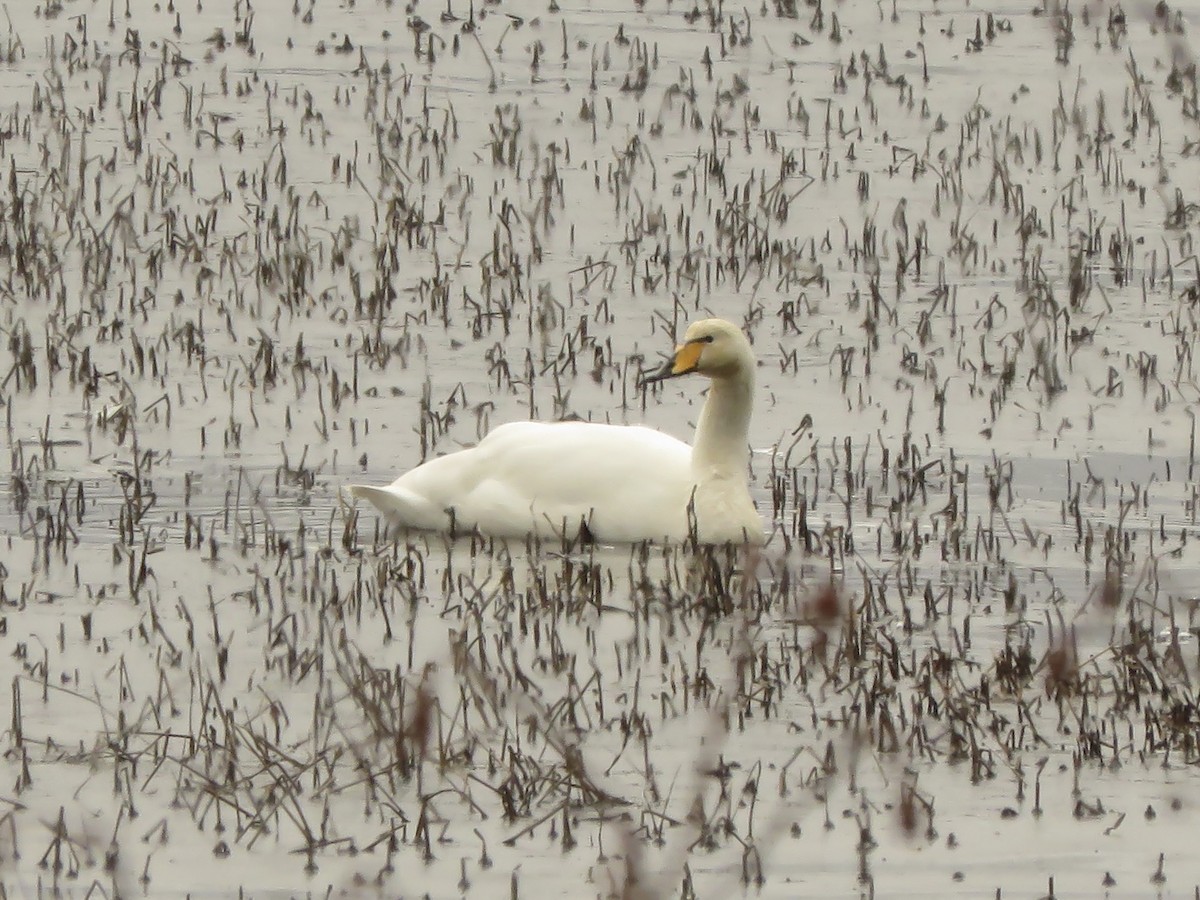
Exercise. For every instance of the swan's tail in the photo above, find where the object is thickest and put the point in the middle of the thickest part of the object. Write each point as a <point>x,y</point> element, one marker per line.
<point>378,496</point>
<point>401,508</point>
<point>382,499</point>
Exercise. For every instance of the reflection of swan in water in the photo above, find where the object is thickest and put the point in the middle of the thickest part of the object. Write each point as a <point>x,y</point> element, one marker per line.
<point>608,482</point>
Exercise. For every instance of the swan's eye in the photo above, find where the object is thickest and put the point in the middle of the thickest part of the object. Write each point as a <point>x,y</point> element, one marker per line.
<point>708,339</point>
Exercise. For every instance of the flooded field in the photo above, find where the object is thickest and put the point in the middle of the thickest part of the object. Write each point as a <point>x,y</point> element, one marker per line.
<point>251,253</point>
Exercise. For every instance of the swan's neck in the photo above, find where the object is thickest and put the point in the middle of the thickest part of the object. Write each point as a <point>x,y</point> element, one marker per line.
<point>720,449</point>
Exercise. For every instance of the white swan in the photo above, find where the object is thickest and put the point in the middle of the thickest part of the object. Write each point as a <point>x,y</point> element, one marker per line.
<point>612,483</point>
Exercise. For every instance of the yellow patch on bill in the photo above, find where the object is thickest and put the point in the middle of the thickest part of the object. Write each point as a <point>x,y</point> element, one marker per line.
<point>687,358</point>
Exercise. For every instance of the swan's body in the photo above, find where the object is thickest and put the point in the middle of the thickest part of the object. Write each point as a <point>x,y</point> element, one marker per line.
<point>614,483</point>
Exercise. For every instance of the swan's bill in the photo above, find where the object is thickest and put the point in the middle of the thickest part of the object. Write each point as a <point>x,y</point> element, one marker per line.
<point>685,359</point>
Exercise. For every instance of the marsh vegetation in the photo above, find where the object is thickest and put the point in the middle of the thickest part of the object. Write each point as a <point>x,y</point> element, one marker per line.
<point>253,252</point>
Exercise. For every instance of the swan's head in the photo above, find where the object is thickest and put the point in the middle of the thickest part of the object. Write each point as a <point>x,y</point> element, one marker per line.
<point>711,347</point>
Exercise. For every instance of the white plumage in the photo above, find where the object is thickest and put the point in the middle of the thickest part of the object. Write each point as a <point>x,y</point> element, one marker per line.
<point>614,482</point>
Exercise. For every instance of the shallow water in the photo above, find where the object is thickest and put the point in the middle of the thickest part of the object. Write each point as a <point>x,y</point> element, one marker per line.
<point>244,263</point>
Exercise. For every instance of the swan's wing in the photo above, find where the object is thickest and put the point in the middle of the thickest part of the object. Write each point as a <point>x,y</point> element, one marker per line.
<point>627,482</point>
